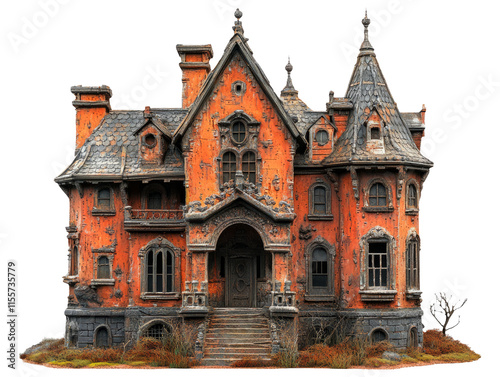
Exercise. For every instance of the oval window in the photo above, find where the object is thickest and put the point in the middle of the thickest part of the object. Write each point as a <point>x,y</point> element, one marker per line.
<point>150,140</point>
<point>238,132</point>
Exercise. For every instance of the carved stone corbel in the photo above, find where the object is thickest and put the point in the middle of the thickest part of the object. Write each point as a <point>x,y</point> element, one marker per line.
<point>401,180</point>
<point>79,187</point>
<point>334,178</point>
<point>355,182</point>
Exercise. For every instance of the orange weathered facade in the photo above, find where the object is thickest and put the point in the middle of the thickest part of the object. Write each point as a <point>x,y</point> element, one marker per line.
<point>243,198</point>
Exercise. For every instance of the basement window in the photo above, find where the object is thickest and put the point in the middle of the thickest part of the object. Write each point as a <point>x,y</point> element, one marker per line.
<point>378,335</point>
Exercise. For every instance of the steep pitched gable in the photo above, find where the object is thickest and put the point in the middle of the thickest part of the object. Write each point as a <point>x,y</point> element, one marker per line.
<point>237,45</point>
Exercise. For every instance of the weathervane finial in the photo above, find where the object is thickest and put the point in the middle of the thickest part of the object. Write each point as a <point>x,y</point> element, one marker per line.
<point>238,26</point>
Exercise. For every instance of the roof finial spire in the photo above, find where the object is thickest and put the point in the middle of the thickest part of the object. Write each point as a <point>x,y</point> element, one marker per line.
<point>238,26</point>
<point>366,45</point>
<point>289,89</point>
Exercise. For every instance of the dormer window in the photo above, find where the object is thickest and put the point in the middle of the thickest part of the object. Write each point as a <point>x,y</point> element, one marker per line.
<point>149,140</point>
<point>322,137</point>
<point>375,133</point>
<point>238,132</point>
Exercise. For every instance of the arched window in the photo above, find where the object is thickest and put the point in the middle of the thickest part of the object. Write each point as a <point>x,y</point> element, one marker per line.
<point>157,331</point>
<point>74,261</point>
<point>228,167</point>
<point>319,268</point>
<point>160,271</point>
<point>412,197</point>
<point>102,337</point>
<point>377,195</point>
<point>103,268</point>
<point>412,265</point>
<point>320,207</point>
<point>413,338</point>
<point>154,200</point>
<point>378,265</point>
<point>248,167</point>
<point>104,199</point>
<point>378,335</point>
<point>319,264</point>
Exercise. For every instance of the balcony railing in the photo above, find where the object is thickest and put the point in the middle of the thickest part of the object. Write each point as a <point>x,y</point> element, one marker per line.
<point>154,219</point>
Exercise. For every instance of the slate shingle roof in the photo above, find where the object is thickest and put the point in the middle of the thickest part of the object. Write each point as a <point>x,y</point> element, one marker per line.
<point>367,91</point>
<point>112,150</point>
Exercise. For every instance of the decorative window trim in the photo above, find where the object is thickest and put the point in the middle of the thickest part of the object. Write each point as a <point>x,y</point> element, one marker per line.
<point>226,125</point>
<point>110,336</point>
<point>221,165</point>
<point>320,294</point>
<point>97,211</point>
<point>153,187</point>
<point>413,293</point>
<point>377,234</point>
<point>328,193</point>
<point>412,210</point>
<point>366,195</point>
<point>161,243</point>
<point>106,251</point>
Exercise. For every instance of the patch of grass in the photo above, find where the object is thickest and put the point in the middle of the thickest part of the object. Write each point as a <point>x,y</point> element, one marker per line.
<point>250,363</point>
<point>377,349</point>
<point>80,363</point>
<point>408,359</point>
<point>136,363</point>
<point>61,363</point>
<point>339,356</point>
<point>102,364</point>
<point>377,362</point>
<point>435,343</point>
<point>462,357</point>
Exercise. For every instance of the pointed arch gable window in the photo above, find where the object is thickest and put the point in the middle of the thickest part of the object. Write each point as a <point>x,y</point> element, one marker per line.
<point>320,201</point>
<point>248,167</point>
<point>160,270</point>
<point>228,167</point>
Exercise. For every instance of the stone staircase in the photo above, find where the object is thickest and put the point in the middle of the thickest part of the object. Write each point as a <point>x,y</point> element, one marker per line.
<point>235,334</point>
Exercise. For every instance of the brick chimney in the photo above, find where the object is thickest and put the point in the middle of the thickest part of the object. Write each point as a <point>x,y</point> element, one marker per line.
<point>195,69</point>
<point>91,104</point>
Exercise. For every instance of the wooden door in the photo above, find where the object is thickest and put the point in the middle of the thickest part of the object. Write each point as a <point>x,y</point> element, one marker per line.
<point>241,284</point>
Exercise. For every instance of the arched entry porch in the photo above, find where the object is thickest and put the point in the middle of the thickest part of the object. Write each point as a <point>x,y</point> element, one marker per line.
<point>239,270</point>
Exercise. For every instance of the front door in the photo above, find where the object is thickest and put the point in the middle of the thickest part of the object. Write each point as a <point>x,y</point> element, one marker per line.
<point>241,284</point>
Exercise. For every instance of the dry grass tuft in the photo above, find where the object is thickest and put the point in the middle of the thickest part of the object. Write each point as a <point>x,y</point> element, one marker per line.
<point>250,363</point>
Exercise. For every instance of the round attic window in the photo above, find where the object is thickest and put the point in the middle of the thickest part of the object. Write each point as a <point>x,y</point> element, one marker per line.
<point>238,87</point>
<point>149,140</point>
<point>322,137</point>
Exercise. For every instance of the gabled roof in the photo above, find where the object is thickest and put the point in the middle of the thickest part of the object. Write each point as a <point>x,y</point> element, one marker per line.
<point>237,44</point>
<point>368,91</point>
<point>112,152</point>
<point>156,122</point>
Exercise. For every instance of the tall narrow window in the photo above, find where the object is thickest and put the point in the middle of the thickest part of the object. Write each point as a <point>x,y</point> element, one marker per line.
<point>103,270</point>
<point>228,167</point>
<point>378,265</point>
<point>248,167</point>
<point>412,266</point>
<point>154,200</point>
<point>377,195</point>
<point>74,261</point>
<point>319,268</point>
<point>159,271</point>
<point>319,205</point>
<point>104,199</point>
<point>412,196</point>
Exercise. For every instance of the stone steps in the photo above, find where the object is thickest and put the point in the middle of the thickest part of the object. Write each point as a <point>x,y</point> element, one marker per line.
<point>234,334</point>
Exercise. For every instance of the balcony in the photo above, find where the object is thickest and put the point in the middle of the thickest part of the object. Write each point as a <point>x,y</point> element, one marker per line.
<point>152,220</point>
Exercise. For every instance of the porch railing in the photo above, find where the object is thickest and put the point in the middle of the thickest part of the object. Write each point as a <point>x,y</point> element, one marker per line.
<point>153,214</point>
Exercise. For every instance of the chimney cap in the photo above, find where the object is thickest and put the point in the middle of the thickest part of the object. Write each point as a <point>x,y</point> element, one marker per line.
<point>195,49</point>
<point>103,89</point>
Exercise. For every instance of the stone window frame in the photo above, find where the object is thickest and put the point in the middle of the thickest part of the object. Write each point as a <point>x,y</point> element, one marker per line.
<point>108,252</point>
<point>320,294</point>
<point>239,153</point>
<point>412,293</point>
<point>155,186</point>
<point>366,195</point>
<point>242,88</point>
<point>328,193</point>
<point>96,210</point>
<point>377,234</point>
<point>381,329</point>
<point>110,336</point>
<point>412,210</point>
<point>161,244</point>
<point>412,333</point>
<point>145,327</point>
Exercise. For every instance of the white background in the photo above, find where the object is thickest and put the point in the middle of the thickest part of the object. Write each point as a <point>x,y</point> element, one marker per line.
<point>444,54</point>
